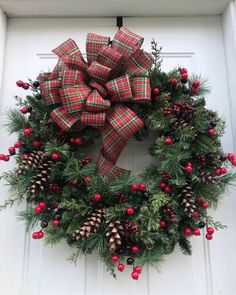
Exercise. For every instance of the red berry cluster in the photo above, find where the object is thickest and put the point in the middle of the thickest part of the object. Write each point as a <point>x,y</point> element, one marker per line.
<point>24,110</point>
<point>210,232</point>
<point>139,187</point>
<point>184,75</point>
<point>11,150</point>
<point>97,197</point>
<point>155,93</point>
<point>202,202</point>
<point>39,208</point>
<point>37,234</point>
<point>131,227</point>
<point>22,84</point>
<point>136,269</point>
<point>220,171</point>
<point>76,140</point>
<point>164,184</point>
<point>232,159</point>
<point>169,214</point>
<point>189,167</point>
<point>86,160</point>
<point>195,87</point>
<point>188,231</point>
<point>173,82</point>
<point>54,187</point>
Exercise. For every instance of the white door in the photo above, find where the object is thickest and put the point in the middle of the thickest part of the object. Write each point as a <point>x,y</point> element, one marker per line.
<point>29,268</point>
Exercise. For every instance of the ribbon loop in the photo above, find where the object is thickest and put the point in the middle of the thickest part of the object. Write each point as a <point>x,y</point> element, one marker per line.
<point>95,102</point>
<point>63,119</point>
<point>141,89</point>
<point>93,119</point>
<point>99,72</point>
<point>50,91</point>
<point>120,89</point>
<point>73,98</point>
<point>138,64</point>
<point>94,44</point>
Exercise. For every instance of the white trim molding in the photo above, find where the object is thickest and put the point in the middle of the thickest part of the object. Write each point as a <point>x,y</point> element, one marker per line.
<point>3,29</point>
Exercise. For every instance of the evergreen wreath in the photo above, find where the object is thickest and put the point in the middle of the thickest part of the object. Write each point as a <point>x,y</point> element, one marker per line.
<point>119,92</point>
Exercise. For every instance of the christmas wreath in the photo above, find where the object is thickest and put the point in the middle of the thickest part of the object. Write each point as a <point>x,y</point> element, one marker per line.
<point>118,93</point>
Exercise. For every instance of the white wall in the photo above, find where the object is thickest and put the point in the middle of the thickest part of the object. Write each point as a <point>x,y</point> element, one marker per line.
<point>229,33</point>
<point>3,27</point>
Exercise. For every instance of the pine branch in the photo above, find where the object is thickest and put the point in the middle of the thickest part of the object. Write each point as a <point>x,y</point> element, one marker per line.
<point>15,121</point>
<point>185,246</point>
<point>29,218</point>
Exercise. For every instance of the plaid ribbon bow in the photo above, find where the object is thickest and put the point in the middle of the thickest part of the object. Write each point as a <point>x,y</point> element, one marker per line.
<point>94,92</point>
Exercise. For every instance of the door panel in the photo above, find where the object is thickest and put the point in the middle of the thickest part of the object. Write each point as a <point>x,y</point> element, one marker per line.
<point>196,43</point>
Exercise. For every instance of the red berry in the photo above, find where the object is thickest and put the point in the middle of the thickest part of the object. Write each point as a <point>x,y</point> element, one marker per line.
<point>40,235</point>
<point>195,215</point>
<point>19,83</point>
<point>162,224</point>
<point>188,169</point>
<point>142,186</point>
<point>135,187</point>
<point>36,144</point>
<point>96,197</point>
<point>12,150</point>
<point>210,230</point>
<point>17,144</point>
<point>27,132</point>
<point>196,83</point>
<point>183,71</point>
<point>209,237</point>
<point>42,205</point>
<point>168,140</point>
<point>135,249</point>
<point>233,162</point>
<point>121,267</point>
<point>55,156</point>
<point>173,82</point>
<point>87,179</point>
<point>78,140</point>
<point>37,209</point>
<point>56,222</point>
<point>162,185</point>
<point>24,110</point>
<point>184,76</point>
<point>167,189</point>
<point>155,91</point>
<point>114,258</point>
<point>200,200</point>
<point>223,170</point>
<point>135,275</point>
<point>194,90</point>
<point>130,211</point>
<point>230,157</point>
<point>35,235</point>
<point>172,220</point>
<point>187,231</point>
<point>138,269</point>
<point>6,158</point>
<point>26,86</point>
<point>218,171</point>
<point>72,140</point>
<point>211,131</point>
<point>2,157</point>
<point>196,232</point>
<point>204,205</point>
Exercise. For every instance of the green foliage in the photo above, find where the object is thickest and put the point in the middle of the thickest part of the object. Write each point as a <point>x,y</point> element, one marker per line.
<point>16,122</point>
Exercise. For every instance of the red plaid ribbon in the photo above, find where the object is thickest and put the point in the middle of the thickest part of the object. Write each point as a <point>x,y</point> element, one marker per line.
<point>84,93</point>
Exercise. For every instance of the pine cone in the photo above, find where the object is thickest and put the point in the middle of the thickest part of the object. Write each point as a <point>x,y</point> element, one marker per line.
<point>91,225</point>
<point>207,177</point>
<point>187,200</point>
<point>39,181</point>
<point>115,230</point>
<point>30,160</point>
